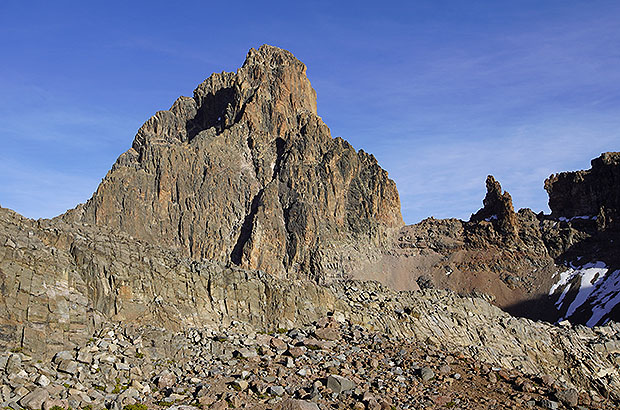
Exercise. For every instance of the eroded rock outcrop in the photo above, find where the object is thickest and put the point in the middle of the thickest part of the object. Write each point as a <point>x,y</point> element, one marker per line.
<point>247,172</point>
<point>498,207</point>
<point>61,281</point>
<point>499,254</point>
<point>592,193</point>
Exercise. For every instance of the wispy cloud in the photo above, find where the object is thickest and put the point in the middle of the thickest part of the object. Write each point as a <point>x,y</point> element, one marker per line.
<point>446,178</point>
<point>42,192</point>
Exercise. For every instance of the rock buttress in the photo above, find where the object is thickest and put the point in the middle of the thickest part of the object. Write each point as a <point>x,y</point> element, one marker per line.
<point>247,172</point>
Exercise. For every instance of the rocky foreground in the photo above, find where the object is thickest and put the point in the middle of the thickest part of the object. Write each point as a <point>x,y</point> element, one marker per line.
<point>65,282</point>
<point>328,364</point>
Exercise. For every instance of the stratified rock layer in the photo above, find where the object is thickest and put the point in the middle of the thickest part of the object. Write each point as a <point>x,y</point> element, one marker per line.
<point>594,192</point>
<point>247,172</point>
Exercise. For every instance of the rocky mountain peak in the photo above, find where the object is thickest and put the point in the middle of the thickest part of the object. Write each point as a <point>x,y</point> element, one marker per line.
<point>279,73</point>
<point>246,172</point>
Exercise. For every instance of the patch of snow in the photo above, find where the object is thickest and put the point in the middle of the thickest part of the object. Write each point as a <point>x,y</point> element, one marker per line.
<point>589,276</point>
<point>607,295</point>
<point>596,288</point>
<point>586,217</point>
<point>448,272</point>
<point>565,277</point>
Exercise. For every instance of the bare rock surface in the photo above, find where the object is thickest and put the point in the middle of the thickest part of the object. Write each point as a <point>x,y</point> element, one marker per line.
<point>201,274</point>
<point>499,254</point>
<point>593,193</point>
<point>366,369</point>
<point>101,277</point>
<point>548,267</point>
<point>247,172</point>
<point>61,281</point>
<point>498,207</point>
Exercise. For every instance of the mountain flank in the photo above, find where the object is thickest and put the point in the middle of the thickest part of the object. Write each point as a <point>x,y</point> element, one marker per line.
<point>246,172</point>
<point>549,267</point>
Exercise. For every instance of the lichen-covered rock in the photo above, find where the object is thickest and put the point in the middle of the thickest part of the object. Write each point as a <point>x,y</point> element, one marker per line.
<point>247,172</point>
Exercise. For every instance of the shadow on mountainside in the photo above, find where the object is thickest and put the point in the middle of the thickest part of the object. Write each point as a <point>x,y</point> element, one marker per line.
<point>586,283</point>
<point>540,308</point>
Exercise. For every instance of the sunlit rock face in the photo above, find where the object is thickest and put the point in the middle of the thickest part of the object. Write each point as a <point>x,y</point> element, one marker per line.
<point>246,172</point>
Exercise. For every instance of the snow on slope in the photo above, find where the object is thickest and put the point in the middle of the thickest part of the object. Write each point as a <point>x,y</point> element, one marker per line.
<point>593,287</point>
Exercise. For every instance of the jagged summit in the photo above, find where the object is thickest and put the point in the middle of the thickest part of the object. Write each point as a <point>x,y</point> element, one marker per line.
<point>268,92</point>
<point>246,172</point>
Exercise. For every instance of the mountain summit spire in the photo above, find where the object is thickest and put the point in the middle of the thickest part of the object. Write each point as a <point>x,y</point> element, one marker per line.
<point>246,172</point>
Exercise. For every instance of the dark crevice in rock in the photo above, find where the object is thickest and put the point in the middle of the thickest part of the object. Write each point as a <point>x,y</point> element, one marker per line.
<point>212,112</point>
<point>280,145</point>
<point>246,229</point>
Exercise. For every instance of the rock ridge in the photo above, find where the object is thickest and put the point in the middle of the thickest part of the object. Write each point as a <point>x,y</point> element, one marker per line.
<point>549,267</point>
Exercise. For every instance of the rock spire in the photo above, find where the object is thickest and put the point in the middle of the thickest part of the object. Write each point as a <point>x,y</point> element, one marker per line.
<point>246,172</point>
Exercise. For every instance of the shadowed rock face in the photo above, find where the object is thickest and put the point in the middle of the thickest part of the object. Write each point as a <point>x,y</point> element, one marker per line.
<point>247,172</point>
<point>592,192</point>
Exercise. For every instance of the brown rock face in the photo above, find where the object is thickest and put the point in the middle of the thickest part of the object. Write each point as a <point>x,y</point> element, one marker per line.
<point>593,192</point>
<point>498,207</point>
<point>247,172</point>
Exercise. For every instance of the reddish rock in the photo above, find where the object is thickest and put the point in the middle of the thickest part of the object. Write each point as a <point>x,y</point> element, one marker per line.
<point>327,333</point>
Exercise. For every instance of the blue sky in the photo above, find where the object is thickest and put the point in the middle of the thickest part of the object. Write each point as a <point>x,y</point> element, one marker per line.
<point>441,92</point>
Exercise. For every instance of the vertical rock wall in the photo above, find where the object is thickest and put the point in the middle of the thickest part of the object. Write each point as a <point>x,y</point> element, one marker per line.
<point>246,172</point>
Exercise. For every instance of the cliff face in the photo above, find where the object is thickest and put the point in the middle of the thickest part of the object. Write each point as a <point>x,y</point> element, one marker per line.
<point>247,172</point>
<point>590,193</point>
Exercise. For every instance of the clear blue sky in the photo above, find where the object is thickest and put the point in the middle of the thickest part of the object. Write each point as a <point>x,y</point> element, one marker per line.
<point>441,92</point>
